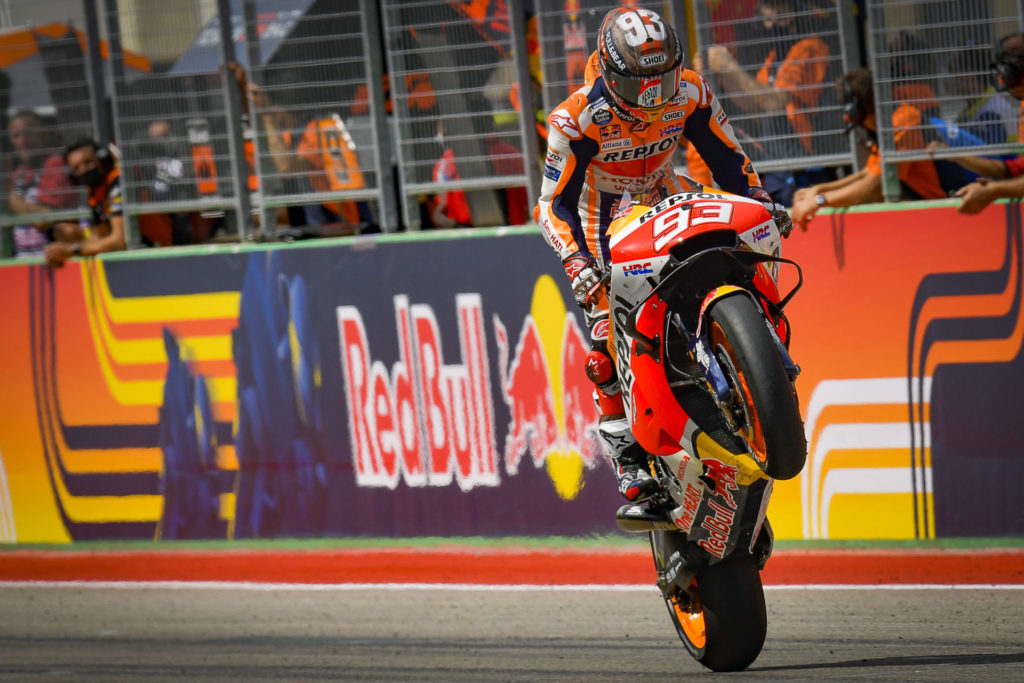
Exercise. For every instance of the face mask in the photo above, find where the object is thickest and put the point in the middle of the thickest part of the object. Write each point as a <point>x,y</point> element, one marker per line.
<point>92,177</point>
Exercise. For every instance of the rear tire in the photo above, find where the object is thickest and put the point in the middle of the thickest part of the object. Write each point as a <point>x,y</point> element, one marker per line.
<point>735,618</point>
<point>765,405</point>
<point>718,613</point>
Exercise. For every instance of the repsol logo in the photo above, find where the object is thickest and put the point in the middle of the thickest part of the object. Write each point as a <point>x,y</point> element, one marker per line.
<point>640,152</point>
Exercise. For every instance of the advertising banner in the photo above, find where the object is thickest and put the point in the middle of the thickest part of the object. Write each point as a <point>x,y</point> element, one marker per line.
<point>434,386</point>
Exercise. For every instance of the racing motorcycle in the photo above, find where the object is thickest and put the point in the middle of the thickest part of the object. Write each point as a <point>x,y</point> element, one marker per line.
<point>700,342</point>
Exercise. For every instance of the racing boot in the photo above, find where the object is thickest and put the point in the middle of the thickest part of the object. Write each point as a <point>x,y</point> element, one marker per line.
<point>629,458</point>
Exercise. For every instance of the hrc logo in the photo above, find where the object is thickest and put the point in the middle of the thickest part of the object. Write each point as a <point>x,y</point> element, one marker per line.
<point>637,269</point>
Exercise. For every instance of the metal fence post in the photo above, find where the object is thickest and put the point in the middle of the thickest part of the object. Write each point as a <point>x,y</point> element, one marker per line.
<point>236,137</point>
<point>94,72</point>
<point>528,107</point>
<point>383,133</point>
<point>116,65</point>
<point>268,219</point>
<point>682,19</point>
<point>851,60</point>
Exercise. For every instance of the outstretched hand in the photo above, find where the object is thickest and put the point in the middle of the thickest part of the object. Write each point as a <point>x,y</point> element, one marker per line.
<point>975,196</point>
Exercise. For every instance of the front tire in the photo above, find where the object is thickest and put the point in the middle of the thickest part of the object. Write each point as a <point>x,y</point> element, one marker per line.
<point>764,403</point>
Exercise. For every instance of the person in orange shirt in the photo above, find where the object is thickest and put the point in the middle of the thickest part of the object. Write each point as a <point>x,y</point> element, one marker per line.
<point>919,179</point>
<point>317,156</point>
<point>789,79</point>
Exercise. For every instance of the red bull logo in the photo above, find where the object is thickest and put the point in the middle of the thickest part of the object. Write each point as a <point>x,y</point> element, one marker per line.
<point>551,408</point>
<point>424,422</point>
<point>721,478</point>
<point>717,525</point>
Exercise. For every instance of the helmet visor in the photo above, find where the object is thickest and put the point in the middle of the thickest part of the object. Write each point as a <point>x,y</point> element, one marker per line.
<point>645,92</point>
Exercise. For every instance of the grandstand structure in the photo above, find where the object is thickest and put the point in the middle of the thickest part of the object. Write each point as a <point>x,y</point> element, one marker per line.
<point>253,110</point>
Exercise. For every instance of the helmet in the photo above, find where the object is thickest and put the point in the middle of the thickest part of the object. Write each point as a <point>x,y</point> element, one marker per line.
<point>641,60</point>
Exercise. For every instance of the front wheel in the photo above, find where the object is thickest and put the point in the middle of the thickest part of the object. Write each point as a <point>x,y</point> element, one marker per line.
<point>764,405</point>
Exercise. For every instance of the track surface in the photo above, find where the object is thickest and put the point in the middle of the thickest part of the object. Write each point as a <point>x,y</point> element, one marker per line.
<point>159,633</point>
<point>166,625</point>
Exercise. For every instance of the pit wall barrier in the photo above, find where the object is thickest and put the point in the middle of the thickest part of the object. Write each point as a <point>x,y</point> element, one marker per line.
<point>433,385</point>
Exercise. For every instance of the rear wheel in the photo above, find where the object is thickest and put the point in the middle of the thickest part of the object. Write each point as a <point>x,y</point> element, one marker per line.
<point>735,619</point>
<point>764,405</point>
<point>719,612</point>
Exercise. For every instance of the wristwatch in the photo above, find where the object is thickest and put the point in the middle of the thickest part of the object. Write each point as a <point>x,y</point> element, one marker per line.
<point>76,249</point>
<point>819,200</point>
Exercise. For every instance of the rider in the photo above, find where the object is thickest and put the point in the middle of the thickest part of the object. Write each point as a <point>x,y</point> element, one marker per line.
<point>612,141</point>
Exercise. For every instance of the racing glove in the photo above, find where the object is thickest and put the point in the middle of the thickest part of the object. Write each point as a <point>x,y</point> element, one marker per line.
<point>778,211</point>
<point>585,277</point>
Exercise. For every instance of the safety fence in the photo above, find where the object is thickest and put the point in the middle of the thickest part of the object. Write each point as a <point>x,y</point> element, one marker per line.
<point>775,66</point>
<point>933,80</point>
<point>244,117</point>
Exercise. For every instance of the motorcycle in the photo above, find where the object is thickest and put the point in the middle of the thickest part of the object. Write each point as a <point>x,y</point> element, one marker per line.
<point>701,342</point>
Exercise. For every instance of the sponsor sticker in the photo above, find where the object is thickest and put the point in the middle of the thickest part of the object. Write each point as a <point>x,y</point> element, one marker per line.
<point>721,118</point>
<point>613,52</point>
<point>650,92</point>
<point>640,152</point>
<point>653,60</point>
<point>671,130</point>
<point>611,132</point>
<point>602,117</point>
<point>637,269</point>
<point>552,173</point>
<point>673,115</point>
<point>615,144</point>
<point>555,159</point>
<point>563,121</point>
<point>706,95</point>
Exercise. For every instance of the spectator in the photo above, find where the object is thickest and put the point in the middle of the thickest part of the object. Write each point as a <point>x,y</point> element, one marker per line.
<point>161,179</point>
<point>793,68</point>
<point>452,208</point>
<point>95,168</point>
<point>309,155</point>
<point>39,182</point>
<point>988,114</point>
<point>1000,179</point>
<point>919,179</point>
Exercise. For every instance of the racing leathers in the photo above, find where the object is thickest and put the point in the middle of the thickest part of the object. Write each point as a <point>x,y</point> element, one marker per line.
<point>598,158</point>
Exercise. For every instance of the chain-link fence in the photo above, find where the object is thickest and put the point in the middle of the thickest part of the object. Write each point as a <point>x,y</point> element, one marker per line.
<point>775,64</point>
<point>454,79</point>
<point>310,84</point>
<point>337,114</point>
<point>44,104</point>
<point>935,94</point>
<point>173,125</point>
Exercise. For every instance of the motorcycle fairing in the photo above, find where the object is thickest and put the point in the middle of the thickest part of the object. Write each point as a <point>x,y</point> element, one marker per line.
<point>657,419</point>
<point>721,497</point>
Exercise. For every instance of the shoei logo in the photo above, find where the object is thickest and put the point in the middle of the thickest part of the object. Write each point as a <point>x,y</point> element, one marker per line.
<point>552,416</point>
<point>653,60</point>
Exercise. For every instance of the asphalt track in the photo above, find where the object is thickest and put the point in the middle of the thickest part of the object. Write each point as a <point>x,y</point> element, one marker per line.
<point>163,631</point>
